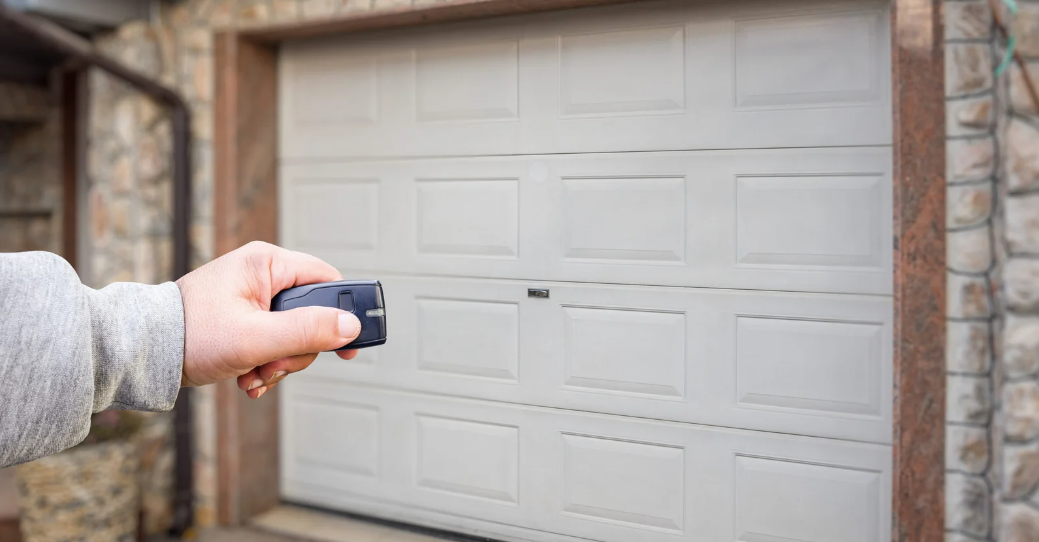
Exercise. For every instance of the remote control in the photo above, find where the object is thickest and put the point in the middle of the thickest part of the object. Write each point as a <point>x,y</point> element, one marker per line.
<point>361,297</point>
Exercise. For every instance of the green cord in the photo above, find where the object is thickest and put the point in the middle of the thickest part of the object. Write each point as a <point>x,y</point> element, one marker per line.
<point>1008,56</point>
<point>1011,41</point>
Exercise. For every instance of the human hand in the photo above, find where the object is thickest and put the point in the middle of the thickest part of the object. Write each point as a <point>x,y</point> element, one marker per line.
<point>230,332</point>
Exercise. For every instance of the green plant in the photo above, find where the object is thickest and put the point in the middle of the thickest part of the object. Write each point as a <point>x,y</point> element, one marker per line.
<point>109,425</point>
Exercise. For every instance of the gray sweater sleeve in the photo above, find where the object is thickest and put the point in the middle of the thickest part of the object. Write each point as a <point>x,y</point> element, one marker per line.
<point>67,351</point>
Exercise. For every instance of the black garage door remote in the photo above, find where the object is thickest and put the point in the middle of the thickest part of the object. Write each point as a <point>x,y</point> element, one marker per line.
<point>361,297</point>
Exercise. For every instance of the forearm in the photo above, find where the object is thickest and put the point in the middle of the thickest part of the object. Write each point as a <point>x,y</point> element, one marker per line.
<point>67,351</point>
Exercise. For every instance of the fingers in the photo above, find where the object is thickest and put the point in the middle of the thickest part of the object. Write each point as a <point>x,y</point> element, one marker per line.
<point>258,392</point>
<point>274,371</point>
<point>289,268</point>
<point>306,330</point>
<point>346,354</point>
<point>257,381</point>
<point>250,381</point>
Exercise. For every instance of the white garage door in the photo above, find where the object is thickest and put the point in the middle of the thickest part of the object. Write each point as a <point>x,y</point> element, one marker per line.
<point>703,191</point>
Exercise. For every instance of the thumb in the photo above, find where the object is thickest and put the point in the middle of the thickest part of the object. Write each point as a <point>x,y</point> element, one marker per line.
<point>304,330</point>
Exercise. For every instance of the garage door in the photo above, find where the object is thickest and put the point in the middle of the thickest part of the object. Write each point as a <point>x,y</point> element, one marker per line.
<point>637,264</point>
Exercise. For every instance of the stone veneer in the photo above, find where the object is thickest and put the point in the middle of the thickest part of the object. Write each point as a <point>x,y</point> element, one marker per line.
<point>992,441</point>
<point>30,169</point>
<point>992,444</point>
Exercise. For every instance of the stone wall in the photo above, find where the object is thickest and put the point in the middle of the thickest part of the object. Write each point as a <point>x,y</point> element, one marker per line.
<point>1018,248</point>
<point>30,169</point>
<point>993,283</point>
<point>30,198</point>
<point>971,112</point>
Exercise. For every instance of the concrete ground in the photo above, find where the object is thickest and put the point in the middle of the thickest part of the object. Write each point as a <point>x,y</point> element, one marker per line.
<point>235,535</point>
<point>294,524</point>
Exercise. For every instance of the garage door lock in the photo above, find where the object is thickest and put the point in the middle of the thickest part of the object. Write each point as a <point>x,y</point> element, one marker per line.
<point>534,292</point>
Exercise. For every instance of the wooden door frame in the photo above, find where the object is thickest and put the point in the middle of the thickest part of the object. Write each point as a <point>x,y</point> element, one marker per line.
<point>246,135</point>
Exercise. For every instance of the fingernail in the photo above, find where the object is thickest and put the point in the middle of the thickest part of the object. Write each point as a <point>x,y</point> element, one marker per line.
<point>349,325</point>
<point>256,383</point>
<point>279,374</point>
<point>262,391</point>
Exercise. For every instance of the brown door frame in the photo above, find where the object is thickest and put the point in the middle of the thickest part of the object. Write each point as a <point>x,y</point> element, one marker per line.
<point>246,200</point>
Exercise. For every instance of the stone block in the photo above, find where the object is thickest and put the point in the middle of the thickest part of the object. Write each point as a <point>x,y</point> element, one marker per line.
<point>968,347</point>
<point>968,205</point>
<point>285,10</point>
<point>1020,99</point>
<point>969,251</point>
<point>968,20</point>
<point>119,215</point>
<point>967,504</point>
<point>1026,27</point>
<point>1021,284</point>
<point>125,121</point>
<point>98,212</point>
<point>1021,410</point>
<point>122,176</point>
<point>1022,148</point>
<point>202,122</point>
<point>316,9</point>
<point>970,116</point>
<point>198,39</point>
<point>966,449</point>
<point>968,68</point>
<point>969,159</point>
<point>351,6</point>
<point>1020,523</point>
<point>967,296</point>
<point>151,161</point>
<point>968,399</point>
<point>144,258</point>
<point>390,4</point>
<point>1021,470</point>
<point>1022,223</point>
<point>202,78</point>
<point>149,112</point>
<point>253,11</point>
<point>1021,346</point>
<point>222,15</point>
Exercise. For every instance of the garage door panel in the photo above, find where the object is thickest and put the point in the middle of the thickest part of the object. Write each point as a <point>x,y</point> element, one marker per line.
<point>469,338</point>
<point>803,220</point>
<point>609,478</point>
<point>337,441</point>
<point>799,363</point>
<point>647,77</point>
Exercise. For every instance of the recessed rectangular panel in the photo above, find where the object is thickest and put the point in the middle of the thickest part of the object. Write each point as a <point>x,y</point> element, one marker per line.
<point>632,483</point>
<point>469,458</point>
<point>468,217</point>
<point>810,221</point>
<point>626,218</point>
<point>339,436</point>
<point>623,72</point>
<point>831,367</point>
<point>474,338</point>
<point>336,214</point>
<point>625,351</point>
<point>472,82</point>
<point>329,88</point>
<point>809,60</point>
<point>786,501</point>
